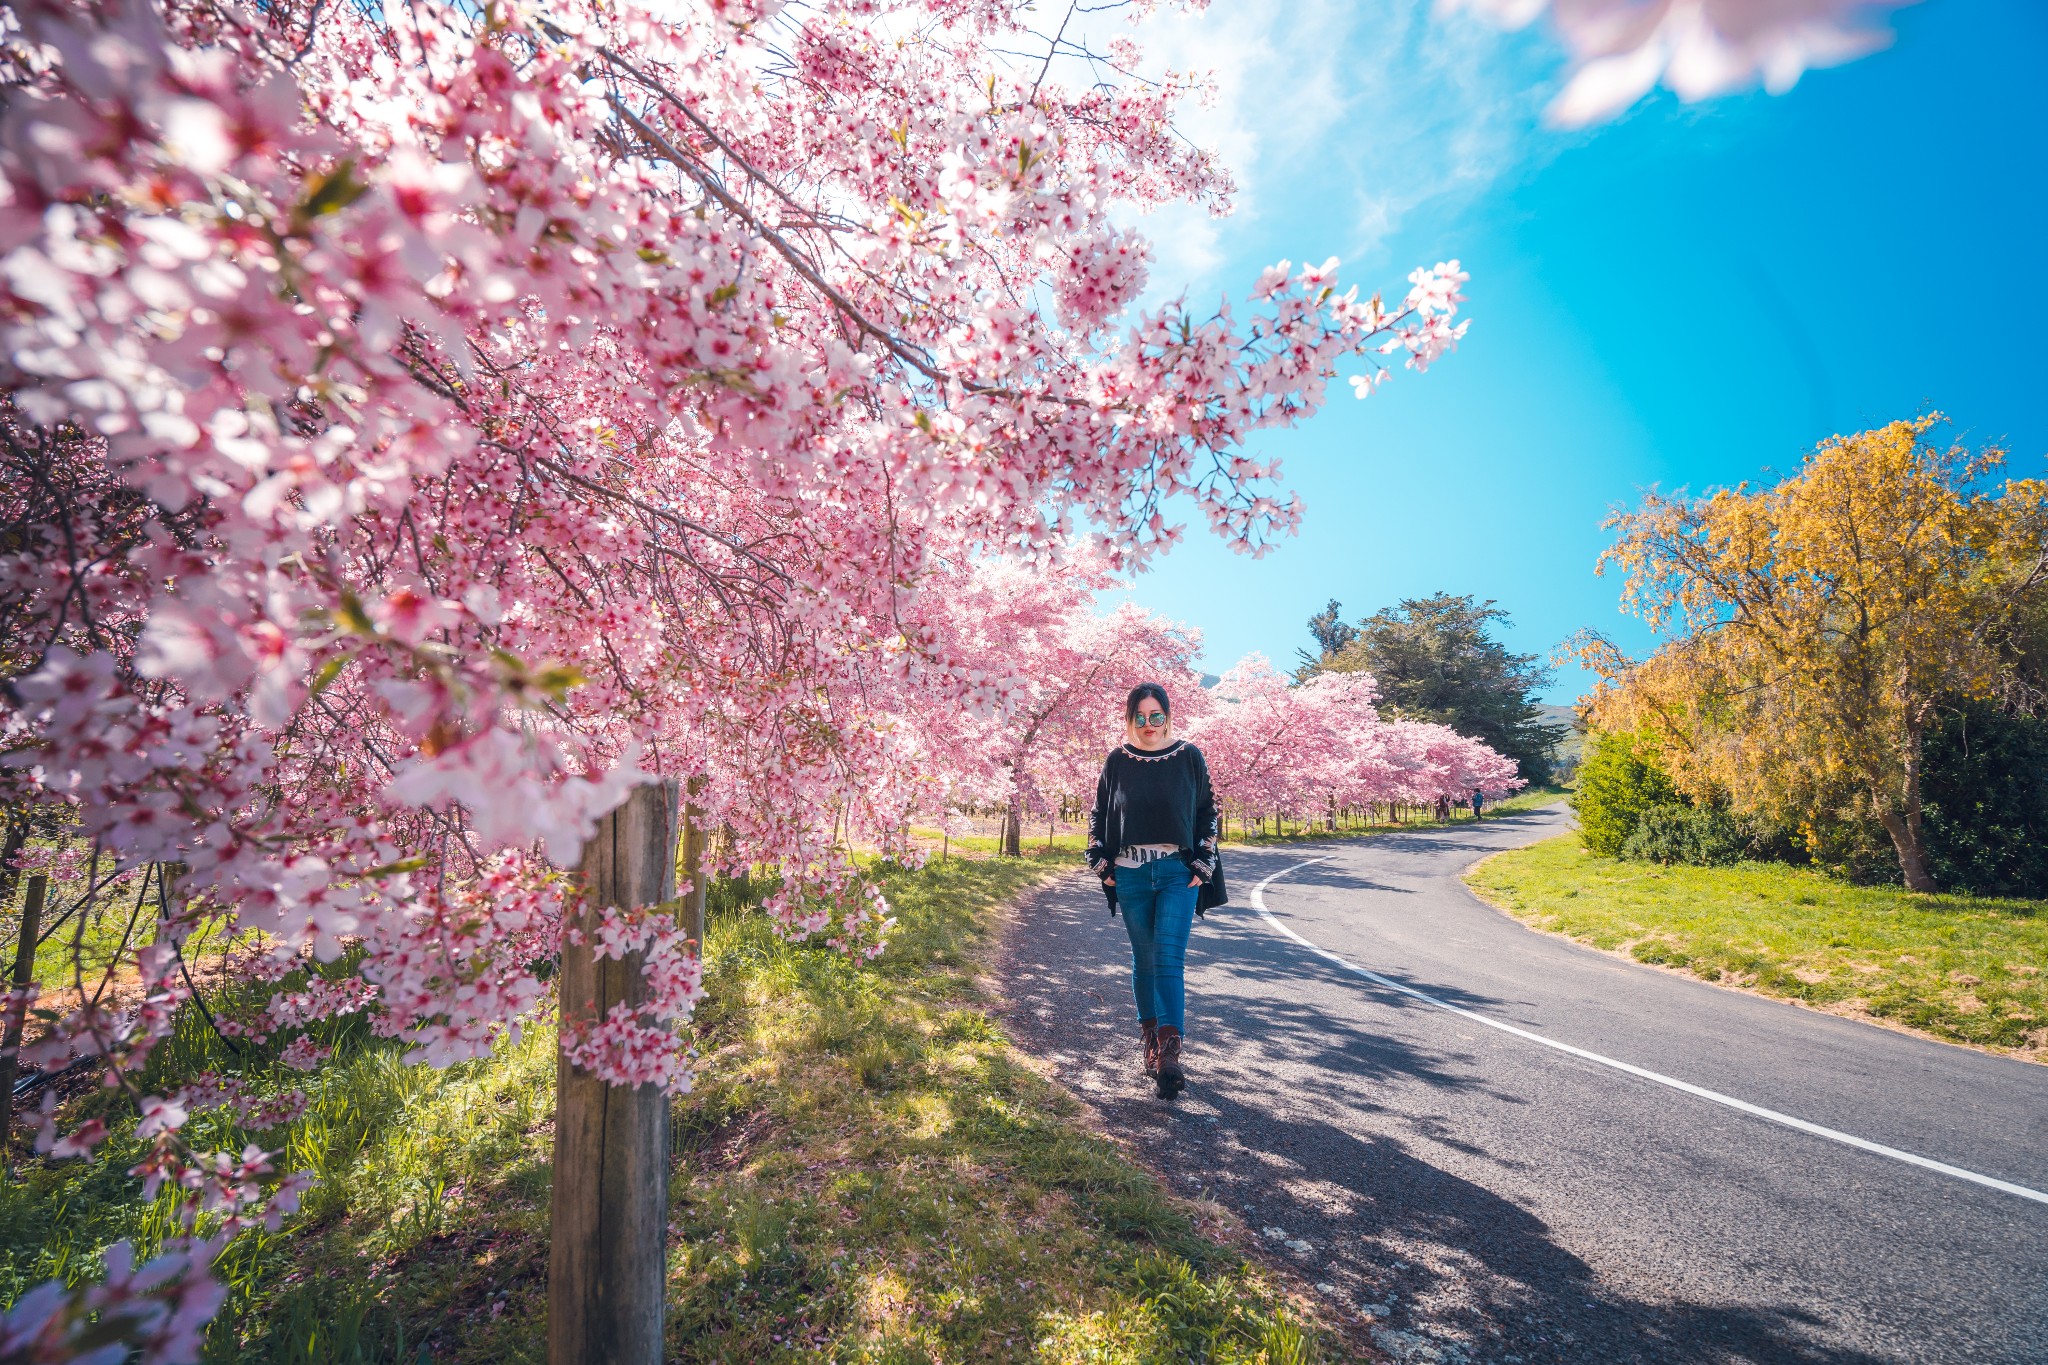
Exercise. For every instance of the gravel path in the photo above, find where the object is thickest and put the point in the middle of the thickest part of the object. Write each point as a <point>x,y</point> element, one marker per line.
<point>1483,1198</point>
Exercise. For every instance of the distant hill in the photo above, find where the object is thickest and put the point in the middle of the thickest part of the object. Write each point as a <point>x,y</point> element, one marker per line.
<point>1574,743</point>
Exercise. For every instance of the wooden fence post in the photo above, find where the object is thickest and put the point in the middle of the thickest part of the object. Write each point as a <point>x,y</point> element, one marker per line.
<point>10,1040</point>
<point>608,1258</point>
<point>695,841</point>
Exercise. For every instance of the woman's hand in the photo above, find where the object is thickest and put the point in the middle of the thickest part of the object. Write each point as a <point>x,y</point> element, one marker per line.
<point>1194,882</point>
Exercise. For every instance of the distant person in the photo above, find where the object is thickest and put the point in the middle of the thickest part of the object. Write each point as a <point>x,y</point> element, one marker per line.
<point>1478,800</point>
<point>1152,840</point>
<point>1443,807</point>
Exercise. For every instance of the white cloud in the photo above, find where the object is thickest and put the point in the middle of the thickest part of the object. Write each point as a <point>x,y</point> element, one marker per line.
<point>1446,109</point>
<point>1279,72</point>
<point>1358,112</point>
<point>1187,246</point>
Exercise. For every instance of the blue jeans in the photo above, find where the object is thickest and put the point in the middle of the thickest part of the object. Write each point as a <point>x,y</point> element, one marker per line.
<point>1159,909</point>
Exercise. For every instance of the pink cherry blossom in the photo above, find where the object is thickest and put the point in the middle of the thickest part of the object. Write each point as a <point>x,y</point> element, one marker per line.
<point>1041,672</point>
<point>1698,48</point>
<point>160,1115</point>
<point>153,1313</point>
<point>420,424</point>
<point>303,1054</point>
<point>1303,750</point>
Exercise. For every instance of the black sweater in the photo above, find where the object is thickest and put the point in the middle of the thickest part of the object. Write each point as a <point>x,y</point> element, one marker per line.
<point>1159,798</point>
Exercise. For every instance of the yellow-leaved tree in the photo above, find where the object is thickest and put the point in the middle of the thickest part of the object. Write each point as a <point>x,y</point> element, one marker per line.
<point>1818,626</point>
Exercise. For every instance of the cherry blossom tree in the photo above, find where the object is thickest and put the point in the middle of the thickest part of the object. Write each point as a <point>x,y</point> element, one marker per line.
<point>1269,747</point>
<point>422,423</point>
<point>1066,669</point>
<point>1429,761</point>
<point>1298,750</point>
<point>1620,49</point>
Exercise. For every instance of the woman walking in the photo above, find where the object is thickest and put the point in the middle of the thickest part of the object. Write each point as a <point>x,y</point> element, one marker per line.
<point>1152,841</point>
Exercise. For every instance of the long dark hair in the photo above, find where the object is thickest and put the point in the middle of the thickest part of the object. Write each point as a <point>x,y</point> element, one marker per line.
<point>1138,696</point>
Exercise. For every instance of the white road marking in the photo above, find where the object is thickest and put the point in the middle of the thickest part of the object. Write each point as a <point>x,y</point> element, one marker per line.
<point>1258,903</point>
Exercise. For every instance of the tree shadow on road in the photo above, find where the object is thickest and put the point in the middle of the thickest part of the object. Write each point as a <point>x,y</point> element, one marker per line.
<point>1457,1269</point>
<point>1473,1274</point>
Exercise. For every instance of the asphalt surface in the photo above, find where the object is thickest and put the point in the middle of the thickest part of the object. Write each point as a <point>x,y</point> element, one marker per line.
<point>1484,1198</point>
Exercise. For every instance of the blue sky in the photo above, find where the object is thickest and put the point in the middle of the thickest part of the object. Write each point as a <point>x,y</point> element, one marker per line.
<point>1689,296</point>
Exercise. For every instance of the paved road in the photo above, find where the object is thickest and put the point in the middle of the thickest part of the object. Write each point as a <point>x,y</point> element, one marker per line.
<point>1490,1199</point>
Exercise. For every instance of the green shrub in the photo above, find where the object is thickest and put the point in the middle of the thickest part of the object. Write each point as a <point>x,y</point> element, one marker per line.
<point>1700,836</point>
<point>1985,784</point>
<point>1618,782</point>
<point>1852,846</point>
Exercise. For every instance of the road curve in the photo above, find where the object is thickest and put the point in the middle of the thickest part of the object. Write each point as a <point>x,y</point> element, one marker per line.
<point>1487,1198</point>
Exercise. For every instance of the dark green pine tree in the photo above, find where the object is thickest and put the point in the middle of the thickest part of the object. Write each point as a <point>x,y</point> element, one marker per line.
<point>1332,635</point>
<point>1435,659</point>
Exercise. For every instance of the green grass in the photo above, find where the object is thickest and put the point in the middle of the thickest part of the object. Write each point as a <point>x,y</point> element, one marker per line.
<point>92,937</point>
<point>866,1172</point>
<point>987,845</point>
<point>1530,798</point>
<point>79,943</point>
<point>402,1156</point>
<point>1958,968</point>
<point>1312,831</point>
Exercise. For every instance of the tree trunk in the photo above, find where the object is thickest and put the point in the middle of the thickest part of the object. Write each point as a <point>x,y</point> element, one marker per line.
<point>10,1040</point>
<point>1908,835</point>
<point>1013,826</point>
<point>607,1260</point>
<point>1912,850</point>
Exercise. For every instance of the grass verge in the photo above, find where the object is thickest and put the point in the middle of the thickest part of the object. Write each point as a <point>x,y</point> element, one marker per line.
<point>1530,798</point>
<point>1958,968</point>
<point>1070,842</point>
<point>1308,831</point>
<point>867,1172</point>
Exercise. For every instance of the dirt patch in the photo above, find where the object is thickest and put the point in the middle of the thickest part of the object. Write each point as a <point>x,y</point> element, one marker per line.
<point>725,1147</point>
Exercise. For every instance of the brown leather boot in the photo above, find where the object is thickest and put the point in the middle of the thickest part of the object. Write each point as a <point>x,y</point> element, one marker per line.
<point>1151,1046</point>
<point>1172,1080</point>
